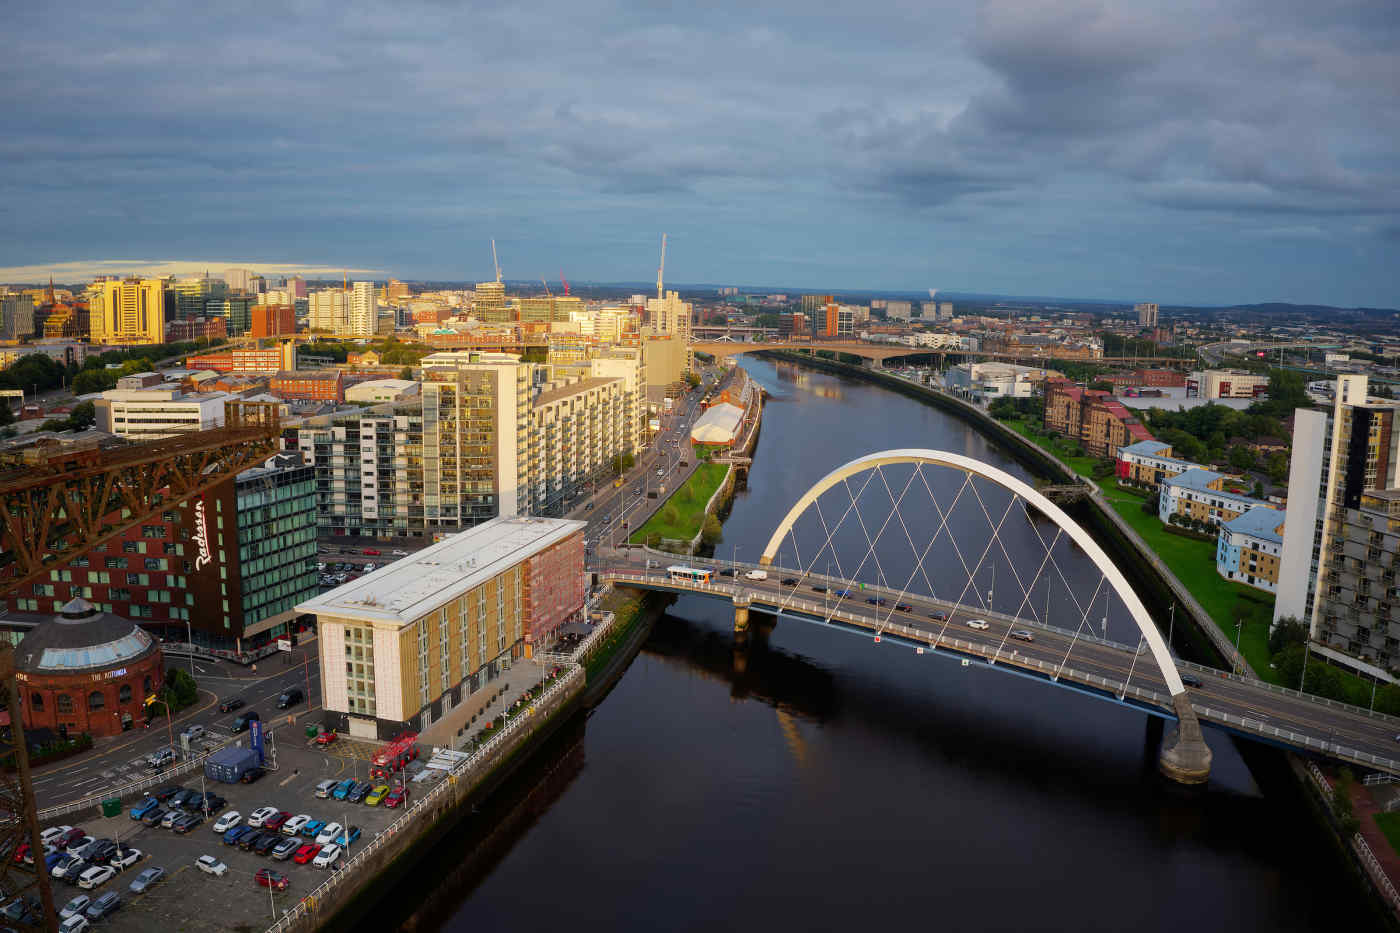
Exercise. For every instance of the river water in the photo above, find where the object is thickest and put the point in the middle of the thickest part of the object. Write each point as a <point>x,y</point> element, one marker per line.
<point>824,782</point>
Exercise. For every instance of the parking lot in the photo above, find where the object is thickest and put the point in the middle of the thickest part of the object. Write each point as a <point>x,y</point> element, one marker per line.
<point>189,899</point>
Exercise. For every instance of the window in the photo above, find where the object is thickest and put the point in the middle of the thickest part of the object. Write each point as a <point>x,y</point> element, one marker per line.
<point>124,694</point>
<point>95,700</point>
<point>36,702</point>
<point>64,703</point>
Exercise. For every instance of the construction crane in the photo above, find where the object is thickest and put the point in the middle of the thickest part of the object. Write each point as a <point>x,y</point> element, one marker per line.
<point>495,261</point>
<point>546,288</point>
<point>661,270</point>
<point>565,281</point>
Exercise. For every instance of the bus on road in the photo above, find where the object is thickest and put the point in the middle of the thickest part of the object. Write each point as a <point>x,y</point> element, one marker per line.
<point>682,574</point>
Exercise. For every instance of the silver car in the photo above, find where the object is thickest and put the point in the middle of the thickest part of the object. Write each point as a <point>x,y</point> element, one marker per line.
<point>146,879</point>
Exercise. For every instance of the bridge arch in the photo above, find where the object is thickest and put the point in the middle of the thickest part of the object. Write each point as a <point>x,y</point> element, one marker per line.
<point>1153,638</point>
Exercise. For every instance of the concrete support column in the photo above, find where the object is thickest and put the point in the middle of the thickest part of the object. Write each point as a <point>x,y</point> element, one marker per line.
<point>741,618</point>
<point>1185,756</point>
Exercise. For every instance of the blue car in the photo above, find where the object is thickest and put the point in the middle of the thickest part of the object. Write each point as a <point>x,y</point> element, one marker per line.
<point>52,858</point>
<point>344,839</point>
<point>232,837</point>
<point>313,829</point>
<point>144,807</point>
<point>343,788</point>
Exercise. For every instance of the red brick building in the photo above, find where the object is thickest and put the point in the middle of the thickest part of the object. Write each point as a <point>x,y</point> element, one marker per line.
<point>212,329</point>
<point>1091,416</point>
<point>256,360</point>
<point>85,670</point>
<point>273,321</point>
<point>317,385</point>
<point>1155,378</point>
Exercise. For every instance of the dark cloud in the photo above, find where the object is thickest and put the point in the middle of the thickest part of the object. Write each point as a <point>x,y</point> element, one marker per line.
<point>1037,137</point>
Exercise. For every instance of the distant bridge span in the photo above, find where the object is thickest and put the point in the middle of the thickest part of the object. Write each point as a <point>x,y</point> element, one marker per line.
<point>879,352</point>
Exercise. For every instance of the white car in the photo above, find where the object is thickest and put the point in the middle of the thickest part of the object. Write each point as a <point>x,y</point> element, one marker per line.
<point>328,833</point>
<point>50,835</point>
<point>211,866</point>
<point>74,907</point>
<point>261,814</point>
<point>171,815</point>
<point>399,553</point>
<point>327,857</point>
<point>78,845</point>
<point>979,624</point>
<point>96,876</point>
<point>323,789</point>
<point>74,924</point>
<point>127,858</point>
<point>294,825</point>
<point>228,821</point>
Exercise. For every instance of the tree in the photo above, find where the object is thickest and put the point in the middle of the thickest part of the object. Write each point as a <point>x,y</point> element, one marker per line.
<point>1277,467</point>
<point>1258,490</point>
<point>1243,458</point>
<point>1287,631</point>
<point>711,531</point>
<point>621,463</point>
<point>6,415</point>
<point>406,373</point>
<point>1152,503</point>
<point>1341,802</point>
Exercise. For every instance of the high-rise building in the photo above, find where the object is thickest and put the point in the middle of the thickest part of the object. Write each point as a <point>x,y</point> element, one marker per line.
<point>237,279</point>
<point>131,311</point>
<point>812,305</point>
<point>273,321</point>
<point>16,317</point>
<point>576,428</point>
<point>363,316</point>
<point>898,310</point>
<point>199,298</point>
<point>419,641</point>
<point>1146,313</point>
<point>1338,570</point>
<point>490,303</point>
<point>838,320</point>
<point>328,311</point>
<point>670,315</point>
<point>238,313</point>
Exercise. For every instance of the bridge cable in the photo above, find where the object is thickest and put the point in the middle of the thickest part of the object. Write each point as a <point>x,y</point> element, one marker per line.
<point>1141,638</point>
<point>954,542</point>
<point>870,549</point>
<point>985,551</point>
<point>792,533</point>
<point>913,548</point>
<point>1007,634</point>
<point>1025,596</point>
<point>1059,571</point>
<point>1080,627</point>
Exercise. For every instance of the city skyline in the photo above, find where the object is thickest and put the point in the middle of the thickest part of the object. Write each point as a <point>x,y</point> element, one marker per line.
<point>1075,149</point>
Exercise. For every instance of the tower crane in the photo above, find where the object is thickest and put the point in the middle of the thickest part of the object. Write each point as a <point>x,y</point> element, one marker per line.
<point>565,281</point>
<point>494,260</point>
<point>546,288</point>
<point>661,270</point>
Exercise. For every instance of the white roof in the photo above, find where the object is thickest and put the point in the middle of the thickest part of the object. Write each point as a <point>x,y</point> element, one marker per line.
<point>718,424</point>
<point>413,586</point>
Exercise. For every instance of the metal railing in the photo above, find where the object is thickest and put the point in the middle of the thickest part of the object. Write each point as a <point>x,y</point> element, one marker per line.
<point>1358,843</point>
<point>550,699</point>
<point>160,777</point>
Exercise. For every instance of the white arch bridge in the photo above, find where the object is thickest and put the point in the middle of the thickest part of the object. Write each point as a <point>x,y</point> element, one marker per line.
<point>855,578</point>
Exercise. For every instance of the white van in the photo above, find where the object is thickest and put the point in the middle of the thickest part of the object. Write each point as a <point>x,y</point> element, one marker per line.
<point>756,575</point>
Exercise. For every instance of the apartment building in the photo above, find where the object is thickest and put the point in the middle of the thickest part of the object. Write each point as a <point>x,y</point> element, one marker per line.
<point>1150,462</point>
<point>1250,547</point>
<point>16,317</point>
<point>1226,383</point>
<point>1338,569</point>
<point>404,646</point>
<point>576,429</point>
<point>1203,495</point>
<point>316,385</point>
<point>362,313</point>
<point>1146,313</point>
<point>131,311</point>
<point>1094,417</point>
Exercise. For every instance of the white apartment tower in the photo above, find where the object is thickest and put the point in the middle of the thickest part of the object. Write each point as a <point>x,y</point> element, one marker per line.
<point>362,318</point>
<point>328,310</point>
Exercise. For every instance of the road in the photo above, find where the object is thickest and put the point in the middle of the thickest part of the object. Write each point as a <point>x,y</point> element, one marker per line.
<point>1260,709</point>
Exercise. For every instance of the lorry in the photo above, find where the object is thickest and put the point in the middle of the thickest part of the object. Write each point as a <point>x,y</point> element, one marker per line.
<point>230,764</point>
<point>756,575</point>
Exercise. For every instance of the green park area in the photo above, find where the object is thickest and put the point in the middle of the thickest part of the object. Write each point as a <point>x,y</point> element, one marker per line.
<point>683,515</point>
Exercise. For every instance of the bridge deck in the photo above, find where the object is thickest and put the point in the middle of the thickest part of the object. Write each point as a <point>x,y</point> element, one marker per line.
<point>1106,669</point>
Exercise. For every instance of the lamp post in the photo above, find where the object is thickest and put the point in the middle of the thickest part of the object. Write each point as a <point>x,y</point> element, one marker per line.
<point>189,640</point>
<point>1234,663</point>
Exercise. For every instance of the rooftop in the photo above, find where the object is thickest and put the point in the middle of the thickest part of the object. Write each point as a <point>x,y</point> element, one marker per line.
<point>718,424</point>
<point>572,388</point>
<point>411,587</point>
<point>1146,449</point>
<point>1259,522</point>
<point>1199,479</point>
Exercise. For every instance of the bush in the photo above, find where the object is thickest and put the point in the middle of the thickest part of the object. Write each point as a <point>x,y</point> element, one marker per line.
<point>711,531</point>
<point>1151,504</point>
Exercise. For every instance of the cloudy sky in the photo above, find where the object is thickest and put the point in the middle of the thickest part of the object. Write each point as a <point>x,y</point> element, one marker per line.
<point>1198,151</point>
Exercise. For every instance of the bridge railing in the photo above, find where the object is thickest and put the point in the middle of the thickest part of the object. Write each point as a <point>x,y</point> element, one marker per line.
<point>1333,749</point>
<point>1181,663</point>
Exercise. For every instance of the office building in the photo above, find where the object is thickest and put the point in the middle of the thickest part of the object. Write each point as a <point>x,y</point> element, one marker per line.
<point>405,646</point>
<point>1226,383</point>
<point>1249,548</point>
<point>255,360</point>
<point>198,298</point>
<point>273,321</point>
<point>131,311</point>
<point>162,411</point>
<point>328,311</point>
<point>1338,572</point>
<point>324,385</point>
<point>490,303</point>
<point>238,312</point>
<point>16,317</point>
<point>238,280</point>
<point>1146,314</point>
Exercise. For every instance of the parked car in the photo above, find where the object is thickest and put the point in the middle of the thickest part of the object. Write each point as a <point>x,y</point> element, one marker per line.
<point>347,837</point>
<point>395,797</point>
<point>268,878</point>
<point>187,822</point>
<point>74,924</point>
<point>101,852</point>
<point>232,836</point>
<point>251,840</point>
<point>376,796</point>
<point>326,788</point>
<point>171,815</point>
<point>77,846</point>
<point>96,876</point>
<point>125,858</point>
<point>146,805</point>
<point>358,792</point>
<point>284,849</point>
<point>50,836</point>
<point>148,877</point>
<point>267,843</point>
<point>327,857</point>
<point>213,803</point>
<point>260,816</point>
<point>68,838</point>
<point>293,826</point>
<point>276,820</point>
<point>61,864</point>
<point>153,817</point>
<point>75,906</point>
<point>342,790</point>
<point>211,866</point>
<point>69,871</point>
<point>165,793</point>
<point>313,829</point>
<point>328,833</point>
<point>326,738</point>
<point>185,799</point>
<point>103,906</point>
<point>979,624</point>
<point>251,775</point>
<point>228,821</point>
<point>306,853</point>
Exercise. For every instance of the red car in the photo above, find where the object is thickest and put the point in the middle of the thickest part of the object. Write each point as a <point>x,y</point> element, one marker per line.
<point>70,837</point>
<point>325,738</point>
<point>268,878</point>
<point>275,822</point>
<point>395,798</point>
<point>370,552</point>
<point>21,852</point>
<point>306,853</point>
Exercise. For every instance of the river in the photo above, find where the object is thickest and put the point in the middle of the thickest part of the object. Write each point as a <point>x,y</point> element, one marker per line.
<point>837,784</point>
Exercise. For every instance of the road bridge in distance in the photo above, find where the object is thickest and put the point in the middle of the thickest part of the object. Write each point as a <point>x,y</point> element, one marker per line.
<point>880,352</point>
<point>957,624</point>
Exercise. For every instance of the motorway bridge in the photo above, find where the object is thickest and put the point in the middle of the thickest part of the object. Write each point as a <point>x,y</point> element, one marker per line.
<point>953,619</point>
<point>879,352</point>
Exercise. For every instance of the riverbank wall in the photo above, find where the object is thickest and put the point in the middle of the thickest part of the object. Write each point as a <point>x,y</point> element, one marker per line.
<point>1150,577</point>
<point>370,874</point>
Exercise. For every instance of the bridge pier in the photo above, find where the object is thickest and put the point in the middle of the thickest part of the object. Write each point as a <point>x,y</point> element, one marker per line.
<point>741,619</point>
<point>1185,756</point>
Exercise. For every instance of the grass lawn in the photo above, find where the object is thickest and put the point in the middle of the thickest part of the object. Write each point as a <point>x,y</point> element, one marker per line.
<point>684,511</point>
<point>1190,559</point>
<point>1389,824</point>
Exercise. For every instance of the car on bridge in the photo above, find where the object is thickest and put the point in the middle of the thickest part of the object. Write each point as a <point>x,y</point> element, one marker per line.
<point>877,601</point>
<point>980,624</point>
<point>789,581</point>
<point>903,607</point>
<point>938,615</point>
<point>1021,634</point>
